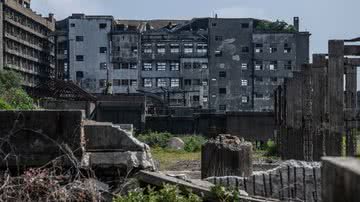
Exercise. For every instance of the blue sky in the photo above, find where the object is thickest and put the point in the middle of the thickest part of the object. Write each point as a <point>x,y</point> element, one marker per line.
<point>325,19</point>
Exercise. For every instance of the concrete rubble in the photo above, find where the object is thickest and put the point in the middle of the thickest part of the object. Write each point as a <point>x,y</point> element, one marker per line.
<point>291,180</point>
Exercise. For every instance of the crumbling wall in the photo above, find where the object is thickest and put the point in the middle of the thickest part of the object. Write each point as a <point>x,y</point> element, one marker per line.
<point>291,180</point>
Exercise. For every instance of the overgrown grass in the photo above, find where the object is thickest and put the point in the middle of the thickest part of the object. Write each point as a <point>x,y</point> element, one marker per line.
<point>168,158</point>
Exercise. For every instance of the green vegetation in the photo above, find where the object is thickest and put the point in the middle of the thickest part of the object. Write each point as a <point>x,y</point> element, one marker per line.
<point>268,151</point>
<point>168,158</point>
<point>193,143</point>
<point>12,96</point>
<point>225,195</point>
<point>275,26</point>
<point>167,193</point>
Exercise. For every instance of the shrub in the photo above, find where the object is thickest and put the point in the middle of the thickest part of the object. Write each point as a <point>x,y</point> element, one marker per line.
<point>4,105</point>
<point>271,148</point>
<point>193,143</point>
<point>18,99</point>
<point>167,193</point>
<point>155,139</point>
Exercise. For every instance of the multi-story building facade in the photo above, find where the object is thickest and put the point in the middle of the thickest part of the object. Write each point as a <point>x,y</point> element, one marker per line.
<point>209,63</point>
<point>26,42</point>
<point>84,50</point>
<point>174,63</point>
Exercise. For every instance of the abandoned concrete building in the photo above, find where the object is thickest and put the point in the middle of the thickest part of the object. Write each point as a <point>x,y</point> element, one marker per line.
<point>26,42</point>
<point>192,63</point>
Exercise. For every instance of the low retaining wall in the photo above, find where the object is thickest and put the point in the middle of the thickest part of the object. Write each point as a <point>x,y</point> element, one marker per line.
<point>291,180</point>
<point>33,138</point>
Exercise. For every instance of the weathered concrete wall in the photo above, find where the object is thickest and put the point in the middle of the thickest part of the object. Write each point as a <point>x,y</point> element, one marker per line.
<point>35,137</point>
<point>291,181</point>
<point>88,107</point>
<point>342,179</point>
<point>255,126</point>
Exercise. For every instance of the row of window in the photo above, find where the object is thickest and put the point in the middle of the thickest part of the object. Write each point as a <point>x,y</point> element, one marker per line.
<point>101,25</point>
<point>174,66</point>
<point>173,82</point>
<point>259,48</point>
<point>175,48</point>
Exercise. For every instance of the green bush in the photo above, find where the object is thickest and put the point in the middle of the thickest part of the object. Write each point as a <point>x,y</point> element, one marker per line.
<point>18,99</point>
<point>193,143</point>
<point>4,105</point>
<point>271,148</point>
<point>169,193</point>
<point>155,139</point>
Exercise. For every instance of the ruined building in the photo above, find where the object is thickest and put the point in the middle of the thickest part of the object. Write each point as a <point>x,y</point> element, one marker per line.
<point>26,41</point>
<point>208,63</point>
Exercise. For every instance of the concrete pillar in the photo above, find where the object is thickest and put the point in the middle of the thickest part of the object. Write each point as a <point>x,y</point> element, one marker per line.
<point>340,181</point>
<point>307,106</point>
<point>350,105</point>
<point>335,96</point>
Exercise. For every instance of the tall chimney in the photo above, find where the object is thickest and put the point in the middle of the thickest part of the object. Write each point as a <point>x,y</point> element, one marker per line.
<point>296,23</point>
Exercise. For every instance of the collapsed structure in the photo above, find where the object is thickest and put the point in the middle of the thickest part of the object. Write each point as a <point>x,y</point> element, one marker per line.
<point>312,110</point>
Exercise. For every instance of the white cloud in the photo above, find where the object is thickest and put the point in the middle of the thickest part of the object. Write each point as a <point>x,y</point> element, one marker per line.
<point>241,12</point>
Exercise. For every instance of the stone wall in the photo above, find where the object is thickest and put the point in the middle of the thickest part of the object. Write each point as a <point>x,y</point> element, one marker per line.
<point>33,138</point>
<point>291,180</point>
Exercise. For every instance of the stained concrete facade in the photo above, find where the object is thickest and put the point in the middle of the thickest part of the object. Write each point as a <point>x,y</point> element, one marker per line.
<point>208,63</point>
<point>86,53</point>
<point>26,42</point>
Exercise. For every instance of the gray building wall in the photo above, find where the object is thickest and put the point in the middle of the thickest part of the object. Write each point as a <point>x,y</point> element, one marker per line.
<point>228,41</point>
<point>91,73</point>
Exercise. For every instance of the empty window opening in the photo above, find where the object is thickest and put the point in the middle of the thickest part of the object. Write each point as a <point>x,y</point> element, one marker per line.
<point>161,66</point>
<point>222,90</point>
<point>147,83</point>
<point>174,82</point>
<point>222,74</point>
<point>147,67</point>
<point>161,82</point>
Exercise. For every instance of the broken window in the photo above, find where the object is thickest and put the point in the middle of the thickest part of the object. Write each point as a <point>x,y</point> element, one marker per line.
<point>202,48</point>
<point>147,82</point>
<point>259,95</point>
<point>188,48</point>
<point>161,82</point>
<point>204,65</point>
<point>287,48</point>
<point>79,38</point>
<point>133,65</point>
<point>116,65</point>
<point>124,82</point>
<point>117,82</point>
<point>258,48</point>
<point>147,48</point>
<point>245,25</point>
<point>196,98</point>
<point>205,99</point>
<point>196,65</point>
<point>196,82</point>
<point>79,75</point>
<point>72,25</point>
<point>244,99</point>
<point>222,90</point>
<point>79,58</point>
<point>161,48</point>
<point>258,65</point>
<point>174,66</point>
<point>218,53</point>
<point>175,82</point>
<point>273,65</point>
<point>273,79</point>
<point>273,48</point>
<point>147,67</point>
<point>258,79</point>
<point>218,38</point>
<point>214,24</point>
<point>161,66</point>
<point>244,82</point>
<point>244,66</point>
<point>102,83</point>
<point>222,74</point>
<point>288,65</point>
<point>245,49</point>
<point>124,65</point>
<point>205,82</point>
<point>174,48</point>
<point>222,107</point>
<point>134,49</point>
<point>103,65</point>
<point>103,49</point>
<point>102,25</point>
<point>187,82</point>
<point>133,82</point>
<point>187,65</point>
